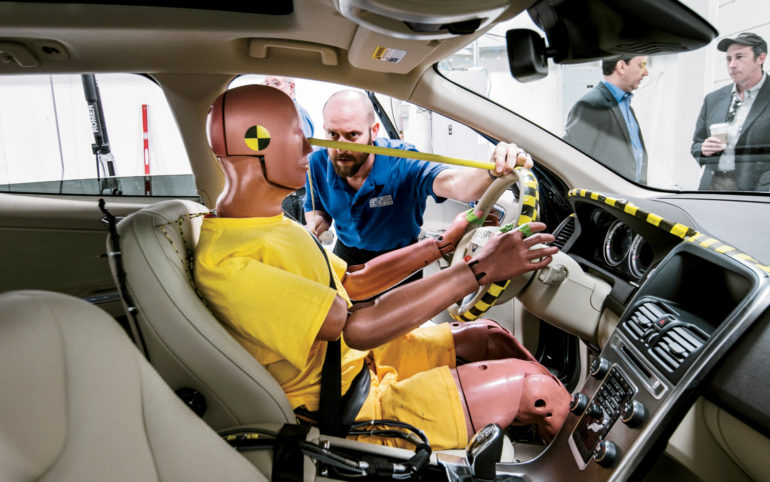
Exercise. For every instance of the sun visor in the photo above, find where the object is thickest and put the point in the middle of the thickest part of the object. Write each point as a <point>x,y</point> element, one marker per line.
<point>422,19</point>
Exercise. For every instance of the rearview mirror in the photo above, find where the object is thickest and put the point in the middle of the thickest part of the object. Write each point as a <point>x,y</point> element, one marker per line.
<point>527,55</point>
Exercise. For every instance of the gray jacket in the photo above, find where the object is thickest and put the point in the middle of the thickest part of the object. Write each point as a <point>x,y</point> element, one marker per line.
<point>596,126</point>
<point>752,150</point>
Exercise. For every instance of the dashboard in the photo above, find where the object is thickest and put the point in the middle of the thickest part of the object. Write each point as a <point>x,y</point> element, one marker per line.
<point>683,300</point>
<point>621,246</point>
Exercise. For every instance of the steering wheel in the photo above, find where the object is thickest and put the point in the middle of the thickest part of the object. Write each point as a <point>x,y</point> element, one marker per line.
<point>476,304</point>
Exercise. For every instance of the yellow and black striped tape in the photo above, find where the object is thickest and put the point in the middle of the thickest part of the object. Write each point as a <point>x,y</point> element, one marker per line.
<point>486,302</point>
<point>529,197</point>
<point>680,230</point>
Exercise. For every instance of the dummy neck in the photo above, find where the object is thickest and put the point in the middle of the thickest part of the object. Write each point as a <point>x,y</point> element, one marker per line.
<point>247,193</point>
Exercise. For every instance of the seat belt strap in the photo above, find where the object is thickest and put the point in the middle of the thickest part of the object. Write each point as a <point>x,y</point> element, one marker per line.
<point>330,406</point>
<point>120,273</point>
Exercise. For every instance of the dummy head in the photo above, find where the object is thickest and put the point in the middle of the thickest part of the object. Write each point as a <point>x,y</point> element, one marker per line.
<point>260,124</point>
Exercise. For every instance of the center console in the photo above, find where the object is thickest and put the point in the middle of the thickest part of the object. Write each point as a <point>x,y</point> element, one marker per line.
<point>678,325</point>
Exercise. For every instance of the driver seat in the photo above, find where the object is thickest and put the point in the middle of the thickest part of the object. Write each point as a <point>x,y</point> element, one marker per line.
<point>184,342</point>
<point>182,339</point>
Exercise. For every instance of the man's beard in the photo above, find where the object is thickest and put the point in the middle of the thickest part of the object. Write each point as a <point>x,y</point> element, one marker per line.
<point>358,158</point>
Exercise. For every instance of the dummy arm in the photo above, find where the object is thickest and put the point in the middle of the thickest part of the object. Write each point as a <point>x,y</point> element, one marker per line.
<point>363,281</point>
<point>402,309</point>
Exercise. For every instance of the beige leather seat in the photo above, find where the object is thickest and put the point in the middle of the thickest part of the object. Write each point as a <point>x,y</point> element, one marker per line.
<point>79,402</point>
<point>187,346</point>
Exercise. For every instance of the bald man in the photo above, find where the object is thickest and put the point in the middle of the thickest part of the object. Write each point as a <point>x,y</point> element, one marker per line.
<point>377,202</point>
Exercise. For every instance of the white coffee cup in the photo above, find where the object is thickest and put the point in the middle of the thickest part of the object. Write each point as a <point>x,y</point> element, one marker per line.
<point>719,131</point>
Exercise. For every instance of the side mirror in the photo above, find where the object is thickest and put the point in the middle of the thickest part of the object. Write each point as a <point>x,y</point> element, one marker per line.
<point>527,55</point>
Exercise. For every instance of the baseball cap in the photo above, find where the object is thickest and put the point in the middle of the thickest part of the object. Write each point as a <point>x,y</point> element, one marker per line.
<point>745,38</point>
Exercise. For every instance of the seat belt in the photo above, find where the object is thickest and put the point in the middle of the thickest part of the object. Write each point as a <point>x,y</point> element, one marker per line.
<point>117,256</point>
<point>330,419</point>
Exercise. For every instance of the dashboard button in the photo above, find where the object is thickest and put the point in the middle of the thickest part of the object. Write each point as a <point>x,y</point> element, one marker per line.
<point>633,413</point>
<point>578,403</point>
<point>600,367</point>
<point>605,453</point>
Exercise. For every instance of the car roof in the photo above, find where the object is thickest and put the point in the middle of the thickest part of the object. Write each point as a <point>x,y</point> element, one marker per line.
<point>312,40</point>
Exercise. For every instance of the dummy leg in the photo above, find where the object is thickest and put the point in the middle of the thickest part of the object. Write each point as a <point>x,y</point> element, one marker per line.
<point>514,392</point>
<point>486,340</point>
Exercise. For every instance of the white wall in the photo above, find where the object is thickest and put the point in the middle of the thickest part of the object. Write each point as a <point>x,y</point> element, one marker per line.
<point>45,132</point>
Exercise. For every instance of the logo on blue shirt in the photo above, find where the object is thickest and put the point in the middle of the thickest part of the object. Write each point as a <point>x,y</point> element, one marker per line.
<point>378,202</point>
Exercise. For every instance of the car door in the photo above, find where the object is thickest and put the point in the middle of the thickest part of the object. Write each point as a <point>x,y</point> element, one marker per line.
<point>68,142</point>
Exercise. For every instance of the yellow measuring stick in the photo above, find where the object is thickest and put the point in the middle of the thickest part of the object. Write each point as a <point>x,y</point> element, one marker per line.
<point>388,151</point>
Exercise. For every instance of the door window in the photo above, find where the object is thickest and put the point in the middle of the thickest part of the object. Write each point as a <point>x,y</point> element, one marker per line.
<point>104,134</point>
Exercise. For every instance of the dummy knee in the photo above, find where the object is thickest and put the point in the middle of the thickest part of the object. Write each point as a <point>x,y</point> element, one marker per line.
<point>486,340</point>
<point>512,392</point>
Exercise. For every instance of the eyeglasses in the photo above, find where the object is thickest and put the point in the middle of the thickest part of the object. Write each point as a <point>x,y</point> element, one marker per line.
<point>737,101</point>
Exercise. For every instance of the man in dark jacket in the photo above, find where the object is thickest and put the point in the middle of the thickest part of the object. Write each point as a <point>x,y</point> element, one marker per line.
<point>603,125</point>
<point>740,159</point>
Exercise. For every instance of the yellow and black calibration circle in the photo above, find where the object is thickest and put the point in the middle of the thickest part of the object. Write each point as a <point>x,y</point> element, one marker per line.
<point>257,138</point>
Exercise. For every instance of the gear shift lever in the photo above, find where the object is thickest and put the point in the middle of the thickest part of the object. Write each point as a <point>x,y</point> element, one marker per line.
<point>484,450</point>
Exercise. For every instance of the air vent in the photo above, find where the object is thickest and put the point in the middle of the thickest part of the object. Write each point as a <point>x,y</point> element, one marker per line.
<point>673,346</point>
<point>665,336</point>
<point>642,323</point>
<point>564,232</point>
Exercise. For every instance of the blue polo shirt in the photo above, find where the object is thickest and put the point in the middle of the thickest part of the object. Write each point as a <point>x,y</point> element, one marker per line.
<point>386,212</point>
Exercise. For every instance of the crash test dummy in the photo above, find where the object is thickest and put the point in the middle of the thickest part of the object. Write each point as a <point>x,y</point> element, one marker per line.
<point>268,281</point>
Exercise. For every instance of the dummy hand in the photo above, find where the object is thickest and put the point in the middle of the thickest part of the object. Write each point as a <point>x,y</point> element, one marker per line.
<point>711,146</point>
<point>508,156</point>
<point>447,242</point>
<point>508,255</point>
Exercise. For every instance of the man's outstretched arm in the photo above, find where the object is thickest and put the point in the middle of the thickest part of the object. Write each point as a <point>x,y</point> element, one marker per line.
<point>469,184</point>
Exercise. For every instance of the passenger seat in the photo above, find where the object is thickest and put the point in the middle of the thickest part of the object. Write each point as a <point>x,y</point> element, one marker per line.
<point>79,402</point>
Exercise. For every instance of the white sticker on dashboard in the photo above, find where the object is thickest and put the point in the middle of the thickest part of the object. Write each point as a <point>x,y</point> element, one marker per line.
<point>386,54</point>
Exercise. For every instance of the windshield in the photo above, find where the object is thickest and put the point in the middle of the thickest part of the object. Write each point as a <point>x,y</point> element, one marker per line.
<point>670,122</point>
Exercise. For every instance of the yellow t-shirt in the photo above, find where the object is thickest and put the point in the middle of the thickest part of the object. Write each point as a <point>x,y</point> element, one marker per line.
<point>268,283</point>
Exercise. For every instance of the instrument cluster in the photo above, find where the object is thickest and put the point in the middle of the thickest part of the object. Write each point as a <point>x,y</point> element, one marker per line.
<point>622,246</point>
<point>623,250</point>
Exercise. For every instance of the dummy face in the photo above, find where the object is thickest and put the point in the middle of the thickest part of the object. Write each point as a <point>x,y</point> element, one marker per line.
<point>347,119</point>
<point>287,163</point>
<point>256,120</point>
<point>744,68</point>
<point>632,73</point>
<point>282,84</point>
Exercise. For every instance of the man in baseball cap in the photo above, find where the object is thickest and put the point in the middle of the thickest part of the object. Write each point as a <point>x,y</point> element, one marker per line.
<point>732,134</point>
<point>745,38</point>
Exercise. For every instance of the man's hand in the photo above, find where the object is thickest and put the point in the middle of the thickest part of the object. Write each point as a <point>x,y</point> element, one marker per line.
<point>317,222</point>
<point>507,157</point>
<point>508,255</point>
<point>712,145</point>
